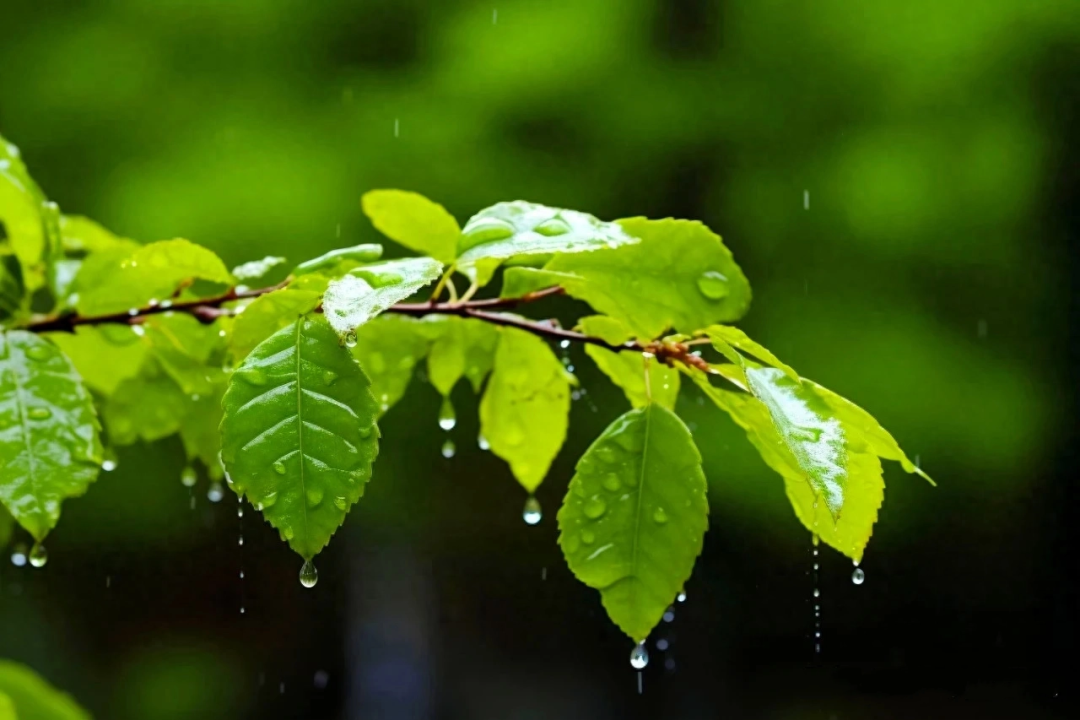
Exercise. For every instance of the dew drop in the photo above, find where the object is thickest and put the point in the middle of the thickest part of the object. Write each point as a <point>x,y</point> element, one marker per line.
<point>314,496</point>
<point>350,342</point>
<point>188,476</point>
<point>713,285</point>
<point>38,352</point>
<point>40,413</point>
<point>594,507</point>
<point>279,467</point>
<point>329,377</point>
<point>308,574</point>
<point>215,492</point>
<point>532,512</point>
<point>659,516</point>
<point>340,502</point>
<point>661,644</point>
<point>611,482</point>
<point>108,460</point>
<point>858,576</point>
<point>38,555</point>
<point>447,416</point>
<point>552,227</point>
<point>448,449</point>
<point>18,556</point>
<point>607,454</point>
<point>588,537</point>
<point>639,657</point>
<point>482,442</point>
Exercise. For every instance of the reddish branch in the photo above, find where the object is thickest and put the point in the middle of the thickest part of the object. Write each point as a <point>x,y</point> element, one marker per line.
<point>207,310</point>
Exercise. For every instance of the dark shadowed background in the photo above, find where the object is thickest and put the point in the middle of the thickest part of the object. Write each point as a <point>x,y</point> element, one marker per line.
<point>898,181</point>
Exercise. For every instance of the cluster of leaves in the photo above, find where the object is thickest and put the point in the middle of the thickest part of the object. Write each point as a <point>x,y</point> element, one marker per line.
<point>162,340</point>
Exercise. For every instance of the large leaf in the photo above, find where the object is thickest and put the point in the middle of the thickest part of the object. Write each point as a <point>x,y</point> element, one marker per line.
<point>521,229</point>
<point>34,698</point>
<point>31,222</point>
<point>299,435</point>
<point>104,356</point>
<point>460,347</point>
<point>628,370</point>
<point>153,272</point>
<point>148,407</point>
<point>635,516</point>
<point>679,276</point>
<point>367,291</point>
<point>413,221</point>
<point>388,348</point>
<point>49,446</point>
<point>525,409</point>
<point>269,313</point>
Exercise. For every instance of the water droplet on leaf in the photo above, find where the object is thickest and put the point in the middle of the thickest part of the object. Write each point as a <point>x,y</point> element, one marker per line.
<point>350,341</point>
<point>279,467</point>
<point>659,516</point>
<point>38,352</point>
<point>594,507</point>
<point>713,285</point>
<point>255,376</point>
<point>308,574</point>
<point>314,496</point>
<point>340,503</point>
<point>588,537</point>
<point>611,482</point>
<point>532,513</point>
<point>552,227</point>
<point>329,377</point>
<point>40,413</point>
<point>639,657</point>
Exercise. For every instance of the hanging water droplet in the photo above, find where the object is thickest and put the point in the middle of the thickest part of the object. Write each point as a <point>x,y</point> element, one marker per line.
<point>279,467</point>
<point>713,285</point>
<point>40,413</point>
<point>350,339</point>
<point>858,576</point>
<point>639,656</point>
<point>215,492</point>
<point>38,555</point>
<point>108,460</point>
<point>188,476</point>
<point>594,507</point>
<point>532,513</point>
<point>18,555</point>
<point>448,449</point>
<point>682,596</point>
<point>817,593</point>
<point>659,516</point>
<point>447,416</point>
<point>308,574</point>
<point>482,442</point>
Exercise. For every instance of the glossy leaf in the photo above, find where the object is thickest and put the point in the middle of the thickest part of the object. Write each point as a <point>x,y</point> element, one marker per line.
<point>255,269</point>
<point>49,446</point>
<point>388,348</point>
<point>367,291</point>
<point>460,347</point>
<point>679,276</point>
<point>726,339</point>
<point>267,314</point>
<point>340,261</point>
<point>299,433</point>
<point>412,220</point>
<point>525,409</point>
<point>35,699</point>
<point>104,356</point>
<point>635,515</point>
<point>148,407</point>
<point>628,369</point>
<point>31,222</point>
<point>521,229</point>
<point>153,272</point>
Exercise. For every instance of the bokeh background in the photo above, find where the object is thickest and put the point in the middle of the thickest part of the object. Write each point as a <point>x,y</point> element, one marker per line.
<point>897,179</point>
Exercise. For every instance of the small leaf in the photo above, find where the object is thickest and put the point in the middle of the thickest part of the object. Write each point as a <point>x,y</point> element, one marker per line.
<point>519,281</point>
<point>679,276</point>
<point>30,221</point>
<point>49,447</point>
<point>388,348</point>
<point>338,262</point>
<point>148,407</point>
<point>183,346</point>
<point>635,515</point>
<point>299,433</point>
<point>414,221</point>
<point>81,234</point>
<point>460,347</point>
<point>34,698</point>
<point>627,369</point>
<point>521,229</point>
<point>269,313</point>
<point>199,428</point>
<point>255,269</point>
<point>369,290</point>
<point>725,338</point>
<point>525,409</point>
<point>104,356</point>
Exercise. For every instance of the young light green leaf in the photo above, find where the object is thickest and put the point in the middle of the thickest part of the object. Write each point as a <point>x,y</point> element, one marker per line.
<point>679,276</point>
<point>299,434</point>
<point>81,234</point>
<point>726,339</point>
<point>519,281</point>
<point>525,409</point>
<point>635,515</point>
<point>104,356</point>
<point>367,291</point>
<point>628,369</point>
<point>340,261</point>
<point>49,446</point>
<point>153,272</point>
<point>388,348</point>
<point>183,346</point>
<point>148,407</point>
<point>255,269</point>
<point>268,313</point>
<point>199,428</point>
<point>460,347</point>
<point>31,222</point>
<point>35,699</point>
<point>521,229</point>
<point>414,221</point>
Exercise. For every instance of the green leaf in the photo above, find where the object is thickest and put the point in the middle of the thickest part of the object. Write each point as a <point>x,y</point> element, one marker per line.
<point>628,369</point>
<point>104,356</point>
<point>255,269</point>
<point>31,222</point>
<point>12,291</point>
<point>34,698</point>
<point>635,515</point>
<point>49,446</point>
<point>299,434</point>
<point>7,708</point>
<point>81,234</point>
<point>414,221</point>
<point>183,346</point>
<point>369,290</point>
<point>148,407</point>
<point>521,229</point>
<point>388,348</point>
<point>460,347</point>
<point>679,276</point>
<point>154,271</point>
<point>199,428</point>
<point>269,313</point>
<point>727,339</point>
<point>518,281</point>
<point>338,262</point>
<point>525,409</point>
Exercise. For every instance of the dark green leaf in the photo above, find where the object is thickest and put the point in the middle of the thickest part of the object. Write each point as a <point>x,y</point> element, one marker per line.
<point>525,409</point>
<point>388,348</point>
<point>635,516</point>
<point>367,291</point>
<point>299,433</point>
<point>34,698</point>
<point>628,369</point>
<point>49,446</point>
<point>414,221</point>
<point>269,313</point>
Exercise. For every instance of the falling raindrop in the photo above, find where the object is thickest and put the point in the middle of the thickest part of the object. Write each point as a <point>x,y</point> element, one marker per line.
<point>38,555</point>
<point>215,492</point>
<point>858,576</point>
<point>639,656</point>
<point>18,555</point>
<point>447,416</point>
<point>532,513</point>
<point>239,511</point>
<point>669,615</point>
<point>188,476</point>
<point>494,16</point>
<point>108,581</point>
<point>350,339</point>
<point>661,644</point>
<point>240,542</point>
<point>564,344</point>
<point>482,442</point>
<point>308,574</point>
<point>817,593</point>
<point>448,449</point>
<point>322,678</point>
<point>108,460</point>
<point>242,611</point>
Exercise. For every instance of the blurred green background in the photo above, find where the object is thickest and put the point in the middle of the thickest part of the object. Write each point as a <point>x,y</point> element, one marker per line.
<point>898,182</point>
